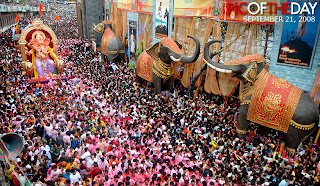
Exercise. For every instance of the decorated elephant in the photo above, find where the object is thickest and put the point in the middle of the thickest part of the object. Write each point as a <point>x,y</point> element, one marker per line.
<point>112,49</point>
<point>268,100</point>
<point>154,64</point>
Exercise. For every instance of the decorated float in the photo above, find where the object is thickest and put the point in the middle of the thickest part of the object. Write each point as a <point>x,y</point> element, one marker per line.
<point>40,59</point>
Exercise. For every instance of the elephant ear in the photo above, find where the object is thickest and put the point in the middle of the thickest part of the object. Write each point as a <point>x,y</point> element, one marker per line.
<point>251,73</point>
<point>154,51</point>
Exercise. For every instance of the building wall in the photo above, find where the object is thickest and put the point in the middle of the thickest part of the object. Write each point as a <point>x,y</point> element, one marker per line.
<point>89,12</point>
<point>302,78</point>
<point>79,18</point>
<point>94,14</point>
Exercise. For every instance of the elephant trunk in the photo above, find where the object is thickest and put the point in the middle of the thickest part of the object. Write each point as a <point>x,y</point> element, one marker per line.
<point>216,66</point>
<point>183,57</point>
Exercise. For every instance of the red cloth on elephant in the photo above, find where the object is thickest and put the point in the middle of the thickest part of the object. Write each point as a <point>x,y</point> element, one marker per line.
<point>171,44</point>
<point>247,60</point>
<point>144,66</point>
<point>106,38</point>
<point>273,102</point>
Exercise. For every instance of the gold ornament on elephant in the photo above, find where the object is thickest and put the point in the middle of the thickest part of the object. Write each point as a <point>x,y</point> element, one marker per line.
<point>280,83</point>
<point>272,105</point>
<point>162,69</point>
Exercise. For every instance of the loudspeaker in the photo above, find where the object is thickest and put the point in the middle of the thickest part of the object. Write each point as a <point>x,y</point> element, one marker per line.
<point>13,143</point>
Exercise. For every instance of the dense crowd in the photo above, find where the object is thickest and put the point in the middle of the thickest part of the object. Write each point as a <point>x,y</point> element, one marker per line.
<point>95,128</point>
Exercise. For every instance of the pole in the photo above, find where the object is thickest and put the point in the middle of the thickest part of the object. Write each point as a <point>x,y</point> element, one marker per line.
<point>317,137</point>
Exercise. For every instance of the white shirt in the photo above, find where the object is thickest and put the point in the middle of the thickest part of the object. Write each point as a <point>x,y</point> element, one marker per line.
<point>85,155</point>
<point>75,178</point>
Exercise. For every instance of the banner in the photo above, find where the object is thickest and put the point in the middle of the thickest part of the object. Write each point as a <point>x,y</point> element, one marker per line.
<point>233,8</point>
<point>128,5</point>
<point>133,39</point>
<point>194,8</point>
<point>162,18</point>
<point>299,36</point>
<point>144,6</point>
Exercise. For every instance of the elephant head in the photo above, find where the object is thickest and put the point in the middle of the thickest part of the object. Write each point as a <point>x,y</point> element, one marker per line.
<point>246,68</point>
<point>168,50</point>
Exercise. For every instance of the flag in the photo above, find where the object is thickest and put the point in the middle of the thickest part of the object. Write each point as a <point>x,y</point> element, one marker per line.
<point>41,9</point>
<point>280,150</point>
<point>17,18</point>
<point>57,18</point>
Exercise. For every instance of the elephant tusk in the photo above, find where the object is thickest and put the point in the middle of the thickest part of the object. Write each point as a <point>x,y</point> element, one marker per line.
<point>219,69</point>
<point>175,59</point>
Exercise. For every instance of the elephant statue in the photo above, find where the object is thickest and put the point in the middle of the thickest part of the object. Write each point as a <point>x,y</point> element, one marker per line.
<point>268,100</point>
<point>112,49</point>
<point>154,64</point>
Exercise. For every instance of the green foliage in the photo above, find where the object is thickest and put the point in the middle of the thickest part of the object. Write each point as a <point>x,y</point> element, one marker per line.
<point>132,66</point>
<point>139,51</point>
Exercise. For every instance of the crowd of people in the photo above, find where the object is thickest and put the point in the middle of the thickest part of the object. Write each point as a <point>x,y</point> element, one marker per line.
<point>96,128</point>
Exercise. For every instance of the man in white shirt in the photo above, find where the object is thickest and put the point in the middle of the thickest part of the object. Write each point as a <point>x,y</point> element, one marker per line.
<point>75,177</point>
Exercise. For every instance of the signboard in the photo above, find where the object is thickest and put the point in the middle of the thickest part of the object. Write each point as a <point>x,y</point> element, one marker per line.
<point>28,7</point>
<point>299,37</point>
<point>162,18</point>
<point>128,5</point>
<point>133,39</point>
<point>194,8</point>
<point>144,6</point>
<point>233,11</point>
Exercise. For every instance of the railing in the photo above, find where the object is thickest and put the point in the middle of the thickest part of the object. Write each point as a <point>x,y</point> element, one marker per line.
<point>14,7</point>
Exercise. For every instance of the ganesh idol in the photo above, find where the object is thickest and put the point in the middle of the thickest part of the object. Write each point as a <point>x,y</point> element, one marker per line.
<point>38,58</point>
<point>40,51</point>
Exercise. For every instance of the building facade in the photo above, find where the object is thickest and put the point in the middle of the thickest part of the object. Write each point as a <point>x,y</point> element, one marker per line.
<point>89,12</point>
